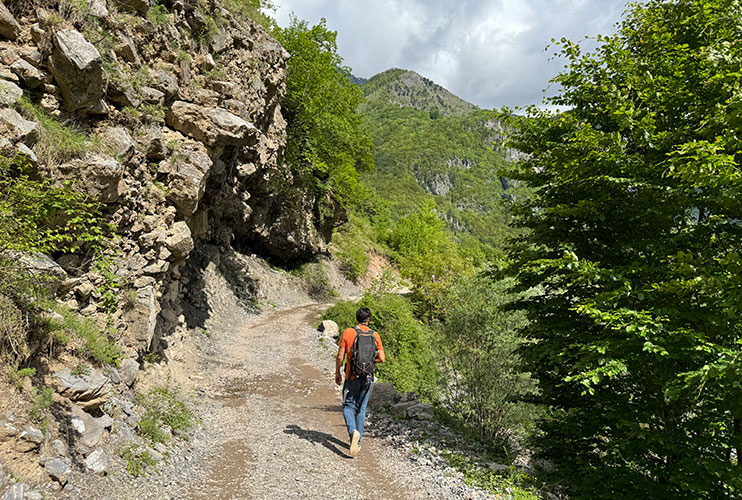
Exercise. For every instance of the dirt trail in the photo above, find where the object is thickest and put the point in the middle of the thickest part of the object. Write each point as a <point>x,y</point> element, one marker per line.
<point>288,435</point>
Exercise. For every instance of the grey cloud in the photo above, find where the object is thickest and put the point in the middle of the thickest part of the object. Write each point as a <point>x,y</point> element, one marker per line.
<point>490,53</point>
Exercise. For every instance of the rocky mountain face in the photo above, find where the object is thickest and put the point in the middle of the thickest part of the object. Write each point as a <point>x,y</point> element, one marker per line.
<point>181,104</point>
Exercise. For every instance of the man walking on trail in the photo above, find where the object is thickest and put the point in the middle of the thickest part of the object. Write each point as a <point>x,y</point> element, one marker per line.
<point>362,348</point>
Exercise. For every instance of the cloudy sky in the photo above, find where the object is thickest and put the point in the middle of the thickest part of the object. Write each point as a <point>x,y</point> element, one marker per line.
<point>489,52</point>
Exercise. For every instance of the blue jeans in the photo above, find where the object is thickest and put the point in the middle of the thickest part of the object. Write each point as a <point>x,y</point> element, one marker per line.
<point>355,400</point>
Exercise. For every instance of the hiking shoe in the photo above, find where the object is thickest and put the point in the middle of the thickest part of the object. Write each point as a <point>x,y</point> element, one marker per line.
<point>354,448</point>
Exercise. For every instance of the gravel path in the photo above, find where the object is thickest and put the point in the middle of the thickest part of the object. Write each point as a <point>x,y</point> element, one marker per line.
<point>272,428</point>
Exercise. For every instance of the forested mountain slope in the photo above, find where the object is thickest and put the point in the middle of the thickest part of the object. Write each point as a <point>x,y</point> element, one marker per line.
<point>432,144</point>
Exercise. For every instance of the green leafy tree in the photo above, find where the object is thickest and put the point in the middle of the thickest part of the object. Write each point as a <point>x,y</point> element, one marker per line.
<point>327,144</point>
<point>483,384</point>
<point>633,249</point>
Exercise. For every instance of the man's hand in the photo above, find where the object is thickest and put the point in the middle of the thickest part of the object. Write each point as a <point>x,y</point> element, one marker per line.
<point>338,378</point>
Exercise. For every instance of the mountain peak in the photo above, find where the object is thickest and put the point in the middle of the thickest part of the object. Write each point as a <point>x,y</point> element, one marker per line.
<point>406,88</point>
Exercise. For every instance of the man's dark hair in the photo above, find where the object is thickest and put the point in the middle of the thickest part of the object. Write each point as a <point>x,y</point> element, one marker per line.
<point>363,314</point>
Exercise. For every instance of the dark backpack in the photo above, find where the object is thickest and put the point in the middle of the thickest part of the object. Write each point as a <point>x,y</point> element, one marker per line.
<point>363,354</point>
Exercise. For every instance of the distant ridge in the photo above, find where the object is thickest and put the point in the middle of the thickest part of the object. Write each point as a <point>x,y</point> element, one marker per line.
<point>406,88</point>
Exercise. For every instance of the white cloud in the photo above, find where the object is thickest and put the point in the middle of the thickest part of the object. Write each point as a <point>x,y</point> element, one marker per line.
<point>489,52</point>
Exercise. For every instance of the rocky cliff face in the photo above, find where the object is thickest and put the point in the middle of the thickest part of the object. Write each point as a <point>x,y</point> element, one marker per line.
<point>181,104</point>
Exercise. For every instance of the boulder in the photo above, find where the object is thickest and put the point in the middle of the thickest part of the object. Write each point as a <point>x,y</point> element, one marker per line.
<point>58,470</point>
<point>420,411</point>
<point>123,95</point>
<point>127,50</point>
<point>187,171</point>
<point>119,140</point>
<point>96,175</point>
<point>179,241</point>
<point>142,318</point>
<point>400,409</point>
<point>152,96</point>
<point>98,461</point>
<point>382,394</point>
<point>32,77</point>
<point>129,370</point>
<point>89,431</point>
<point>141,6</point>
<point>16,128</point>
<point>41,266</point>
<point>154,145</point>
<point>329,328</point>
<point>98,8</point>
<point>165,82</point>
<point>9,27</point>
<point>17,491</point>
<point>89,391</point>
<point>10,93</point>
<point>212,126</point>
<point>76,66</point>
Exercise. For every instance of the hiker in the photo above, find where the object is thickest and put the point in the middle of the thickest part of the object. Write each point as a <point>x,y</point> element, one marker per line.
<point>362,348</point>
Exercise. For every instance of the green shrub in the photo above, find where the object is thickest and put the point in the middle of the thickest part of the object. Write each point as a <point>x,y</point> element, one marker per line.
<point>251,9</point>
<point>316,281</point>
<point>159,15</point>
<point>164,408</point>
<point>41,401</point>
<point>350,246</point>
<point>136,460</point>
<point>408,344</point>
<point>97,346</point>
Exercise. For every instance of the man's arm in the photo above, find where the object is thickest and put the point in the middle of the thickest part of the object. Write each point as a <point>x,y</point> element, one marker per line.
<point>380,357</point>
<point>339,363</point>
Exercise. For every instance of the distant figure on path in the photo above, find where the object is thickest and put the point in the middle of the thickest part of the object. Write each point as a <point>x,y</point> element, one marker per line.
<point>362,349</point>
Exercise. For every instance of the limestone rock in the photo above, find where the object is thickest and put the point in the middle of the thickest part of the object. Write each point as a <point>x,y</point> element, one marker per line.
<point>17,491</point>
<point>105,421</point>
<point>16,128</point>
<point>58,470</point>
<point>129,370</point>
<point>329,328</point>
<point>179,241</point>
<point>141,6</point>
<point>123,95</point>
<point>29,155</point>
<point>41,266</point>
<point>89,391</point>
<point>119,140</point>
<point>400,409</point>
<point>7,431</point>
<point>9,27</point>
<point>165,82</point>
<point>382,394</point>
<point>89,431</point>
<point>30,439</point>
<point>420,411</point>
<point>96,175</point>
<point>154,145</point>
<point>127,49</point>
<point>76,66</point>
<point>112,373</point>
<point>152,96</point>
<point>98,8</point>
<point>187,172</point>
<point>32,77</point>
<point>59,447</point>
<point>10,93</point>
<point>142,318</point>
<point>212,126</point>
<point>98,461</point>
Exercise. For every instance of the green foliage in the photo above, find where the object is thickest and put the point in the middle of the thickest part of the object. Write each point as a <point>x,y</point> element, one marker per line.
<point>408,344</point>
<point>81,369</point>
<point>350,246</point>
<point>484,386</point>
<point>18,375</point>
<point>252,9</point>
<point>41,401</point>
<point>136,460</point>
<point>163,408</point>
<point>36,216</point>
<point>315,278</point>
<point>96,344</point>
<point>327,144</point>
<point>511,482</point>
<point>633,250</point>
<point>426,254</point>
<point>159,15</point>
<point>57,142</point>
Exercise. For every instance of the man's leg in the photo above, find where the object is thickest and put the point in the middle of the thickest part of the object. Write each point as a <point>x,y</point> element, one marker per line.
<point>350,404</point>
<point>364,392</point>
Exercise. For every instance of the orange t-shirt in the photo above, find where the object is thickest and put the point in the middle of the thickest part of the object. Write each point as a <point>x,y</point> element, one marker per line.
<point>346,343</point>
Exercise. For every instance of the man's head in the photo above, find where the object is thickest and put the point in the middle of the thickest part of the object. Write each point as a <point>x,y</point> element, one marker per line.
<point>363,315</point>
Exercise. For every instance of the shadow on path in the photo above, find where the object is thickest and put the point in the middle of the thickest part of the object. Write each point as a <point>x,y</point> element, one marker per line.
<point>327,440</point>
